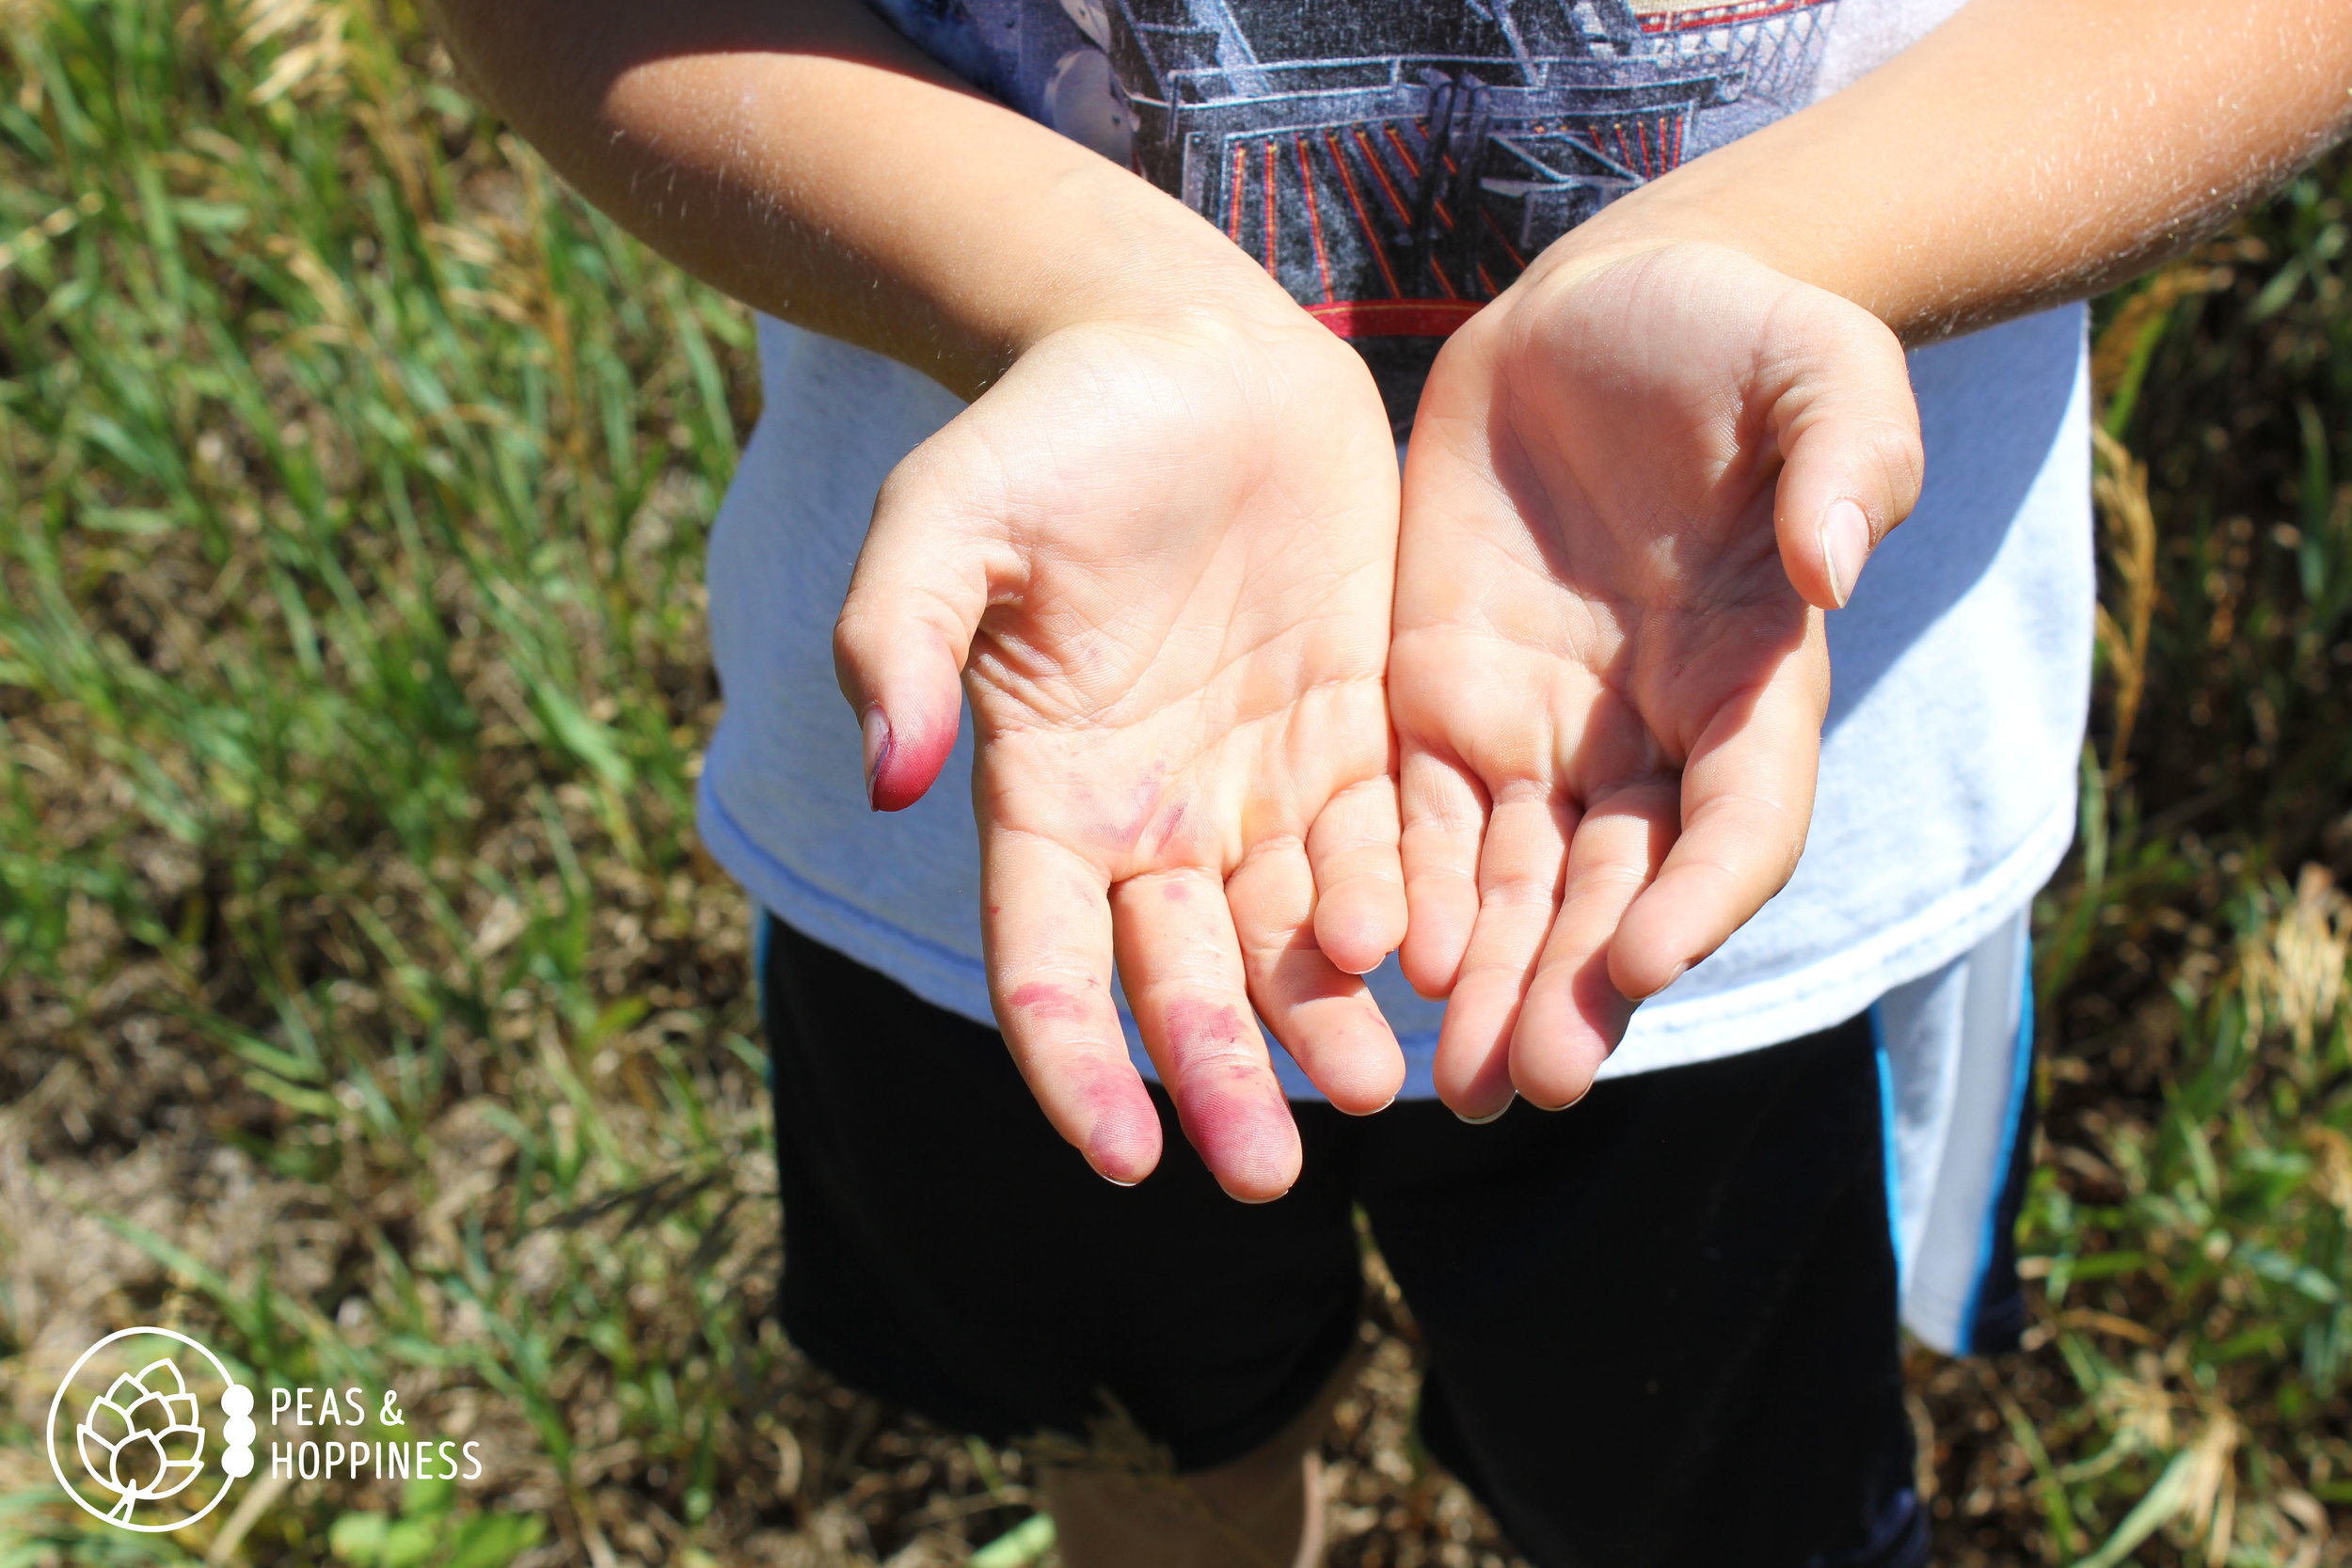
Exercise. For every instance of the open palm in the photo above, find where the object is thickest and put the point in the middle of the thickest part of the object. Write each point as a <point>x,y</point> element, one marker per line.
<point>1162,558</point>
<point>1623,513</point>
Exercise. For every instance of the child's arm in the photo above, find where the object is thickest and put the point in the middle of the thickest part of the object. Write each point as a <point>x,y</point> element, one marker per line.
<point>803,157</point>
<point>1159,548</point>
<point>1636,474</point>
<point>2024,154</point>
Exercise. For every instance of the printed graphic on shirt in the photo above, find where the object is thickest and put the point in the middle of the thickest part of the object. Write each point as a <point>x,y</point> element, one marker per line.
<point>1393,163</point>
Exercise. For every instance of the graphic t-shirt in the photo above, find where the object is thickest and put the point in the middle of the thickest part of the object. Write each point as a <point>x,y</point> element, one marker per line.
<point>1395,164</point>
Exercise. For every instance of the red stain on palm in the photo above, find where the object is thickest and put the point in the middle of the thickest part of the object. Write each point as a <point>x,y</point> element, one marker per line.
<point>1171,825</point>
<point>1176,893</point>
<point>1123,827</point>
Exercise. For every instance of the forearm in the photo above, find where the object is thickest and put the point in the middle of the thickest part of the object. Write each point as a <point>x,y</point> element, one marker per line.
<point>803,157</point>
<point>2024,153</point>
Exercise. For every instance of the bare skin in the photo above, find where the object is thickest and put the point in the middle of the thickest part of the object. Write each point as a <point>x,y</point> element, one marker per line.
<point>1631,772</point>
<point>1157,552</point>
<point>718,129</point>
<point>1264,1510</point>
<point>1173,628</point>
<point>1640,476</point>
<point>1173,635</point>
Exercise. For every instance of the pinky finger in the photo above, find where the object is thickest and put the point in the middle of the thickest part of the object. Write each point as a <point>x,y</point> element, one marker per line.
<point>1360,883</point>
<point>1444,811</point>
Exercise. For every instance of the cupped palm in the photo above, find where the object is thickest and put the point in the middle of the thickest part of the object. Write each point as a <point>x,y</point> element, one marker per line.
<point>1162,557</point>
<point>1607,686</point>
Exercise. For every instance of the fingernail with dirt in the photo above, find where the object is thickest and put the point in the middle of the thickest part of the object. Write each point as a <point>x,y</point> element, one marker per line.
<point>877,751</point>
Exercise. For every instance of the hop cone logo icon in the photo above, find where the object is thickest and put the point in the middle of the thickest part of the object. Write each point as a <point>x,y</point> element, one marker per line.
<point>140,1439</point>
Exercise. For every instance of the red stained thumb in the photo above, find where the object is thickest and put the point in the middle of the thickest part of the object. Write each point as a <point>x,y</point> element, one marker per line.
<point>878,744</point>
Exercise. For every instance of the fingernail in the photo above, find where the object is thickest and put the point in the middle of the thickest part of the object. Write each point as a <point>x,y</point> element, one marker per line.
<point>878,743</point>
<point>1491,1116</point>
<point>1566,1104</point>
<point>1845,546</point>
<point>1680,970</point>
<point>1115,1182</point>
<point>1257,1202</point>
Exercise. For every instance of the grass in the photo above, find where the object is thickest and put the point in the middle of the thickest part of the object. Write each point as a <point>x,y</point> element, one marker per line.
<point>367,1007</point>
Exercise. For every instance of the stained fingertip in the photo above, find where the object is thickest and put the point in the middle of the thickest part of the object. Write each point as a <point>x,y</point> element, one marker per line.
<point>1249,1142</point>
<point>903,755</point>
<point>1122,1137</point>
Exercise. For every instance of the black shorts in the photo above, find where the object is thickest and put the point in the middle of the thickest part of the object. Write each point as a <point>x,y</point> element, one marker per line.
<point>1660,1327</point>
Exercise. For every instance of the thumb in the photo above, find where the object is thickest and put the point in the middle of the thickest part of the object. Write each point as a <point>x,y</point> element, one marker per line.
<point>1851,460</point>
<point>915,600</point>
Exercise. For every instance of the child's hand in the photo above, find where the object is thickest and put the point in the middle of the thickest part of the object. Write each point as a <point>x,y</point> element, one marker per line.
<point>1627,479</point>
<point>1162,555</point>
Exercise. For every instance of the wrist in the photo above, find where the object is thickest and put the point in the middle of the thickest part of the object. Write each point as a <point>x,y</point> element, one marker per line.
<point>1643,221</point>
<point>945,232</point>
<point>1576,258</point>
<point>1124,255</point>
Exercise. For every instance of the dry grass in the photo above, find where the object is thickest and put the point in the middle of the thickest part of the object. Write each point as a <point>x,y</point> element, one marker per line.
<point>366,1005</point>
